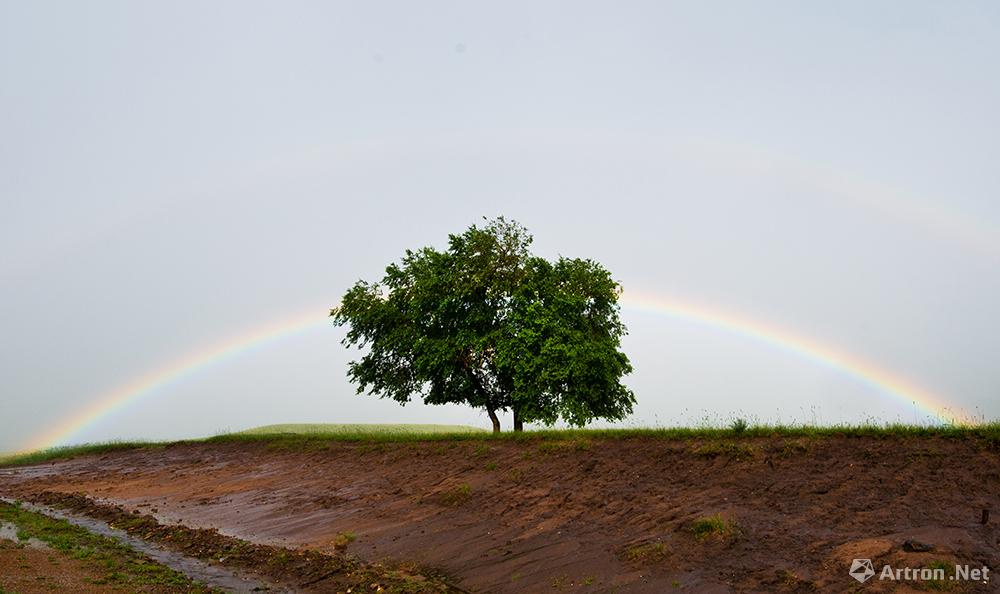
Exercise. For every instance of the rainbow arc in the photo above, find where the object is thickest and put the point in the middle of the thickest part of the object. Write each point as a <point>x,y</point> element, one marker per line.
<point>866,372</point>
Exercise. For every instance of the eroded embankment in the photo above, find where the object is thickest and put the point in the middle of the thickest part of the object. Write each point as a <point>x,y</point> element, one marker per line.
<point>227,564</point>
<point>629,515</point>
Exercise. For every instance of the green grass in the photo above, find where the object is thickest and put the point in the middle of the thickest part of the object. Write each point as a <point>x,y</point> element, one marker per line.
<point>360,429</point>
<point>947,569</point>
<point>714,526</point>
<point>456,495</point>
<point>120,564</point>
<point>21,459</point>
<point>301,436</point>
<point>343,539</point>
<point>646,551</point>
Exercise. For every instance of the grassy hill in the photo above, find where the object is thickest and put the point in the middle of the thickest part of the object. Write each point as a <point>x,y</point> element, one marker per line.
<point>357,429</point>
<point>300,434</point>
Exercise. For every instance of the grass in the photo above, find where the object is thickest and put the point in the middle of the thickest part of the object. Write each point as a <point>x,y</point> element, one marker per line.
<point>343,539</point>
<point>456,495</point>
<point>77,450</point>
<point>649,551</point>
<point>946,569</point>
<point>326,429</point>
<point>119,564</point>
<point>714,527</point>
<point>301,436</point>
<point>562,445</point>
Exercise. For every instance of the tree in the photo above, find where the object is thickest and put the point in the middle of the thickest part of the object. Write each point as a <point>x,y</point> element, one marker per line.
<point>488,324</point>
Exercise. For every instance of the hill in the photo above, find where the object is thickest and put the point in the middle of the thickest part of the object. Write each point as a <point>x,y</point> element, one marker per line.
<point>586,513</point>
<point>360,429</point>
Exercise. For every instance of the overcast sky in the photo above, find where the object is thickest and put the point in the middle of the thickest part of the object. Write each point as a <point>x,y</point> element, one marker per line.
<point>174,174</point>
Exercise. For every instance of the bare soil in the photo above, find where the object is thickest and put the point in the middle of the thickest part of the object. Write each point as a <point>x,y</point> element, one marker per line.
<point>38,571</point>
<point>41,570</point>
<point>615,515</point>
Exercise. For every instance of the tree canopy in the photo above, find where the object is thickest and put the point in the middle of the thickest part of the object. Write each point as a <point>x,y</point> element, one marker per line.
<point>487,324</point>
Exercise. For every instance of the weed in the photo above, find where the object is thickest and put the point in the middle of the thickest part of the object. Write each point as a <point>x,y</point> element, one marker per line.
<point>739,426</point>
<point>560,582</point>
<point>944,569</point>
<point>491,466</point>
<point>788,580</point>
<point>456,495</point>
<point>791,448</point>
<point>281,559</point>
<point>714,526</point>
<point>549,447</point>
<point>343,539</point>
<point>650,551</point>
<point>557,446</point>
<point>481,449</point>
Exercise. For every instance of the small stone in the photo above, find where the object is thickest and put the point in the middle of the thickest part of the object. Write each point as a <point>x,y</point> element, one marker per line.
<point>915,546</point>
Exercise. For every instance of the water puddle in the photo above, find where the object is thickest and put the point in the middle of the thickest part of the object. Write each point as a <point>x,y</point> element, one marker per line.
<point>9,532</point>
<point>210,575</point>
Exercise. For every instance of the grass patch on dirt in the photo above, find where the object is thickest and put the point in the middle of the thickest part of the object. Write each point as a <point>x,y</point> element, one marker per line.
<point>120,564</point>
<point>563,445</point>
<point>944,569</point>
<point>343,539</point>
<point>714,527</point>
<point>645,552</point>
<point>312,436</point>
<point>456,495</point>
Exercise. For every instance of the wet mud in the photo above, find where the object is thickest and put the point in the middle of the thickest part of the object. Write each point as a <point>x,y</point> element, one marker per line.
<point>617,515</point>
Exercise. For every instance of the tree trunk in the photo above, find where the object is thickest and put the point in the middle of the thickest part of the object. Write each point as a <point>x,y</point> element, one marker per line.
<point>518,423</point>
<point>495,419</point>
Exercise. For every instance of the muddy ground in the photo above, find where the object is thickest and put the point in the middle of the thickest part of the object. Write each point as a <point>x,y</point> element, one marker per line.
<point>29,570</point>
<point>616,515</point>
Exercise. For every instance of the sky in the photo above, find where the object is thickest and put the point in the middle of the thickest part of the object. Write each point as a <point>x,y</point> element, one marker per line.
<point>183,183</point>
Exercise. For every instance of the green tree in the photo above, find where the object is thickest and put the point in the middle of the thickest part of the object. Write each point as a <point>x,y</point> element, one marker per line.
<point>486,323</point>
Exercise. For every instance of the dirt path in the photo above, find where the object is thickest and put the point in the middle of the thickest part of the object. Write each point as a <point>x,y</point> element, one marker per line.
<point>595,516</point>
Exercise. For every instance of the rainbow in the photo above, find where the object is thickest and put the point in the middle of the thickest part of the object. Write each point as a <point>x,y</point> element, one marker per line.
<point>862,371</point>
<point>175,371</point>
<point>156,380</point>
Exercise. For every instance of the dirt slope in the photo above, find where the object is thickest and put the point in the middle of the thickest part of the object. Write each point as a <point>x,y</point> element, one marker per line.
<point>585,516</point>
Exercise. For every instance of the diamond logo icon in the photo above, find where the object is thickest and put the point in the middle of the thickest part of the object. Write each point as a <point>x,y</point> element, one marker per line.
<point>862,570</point>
